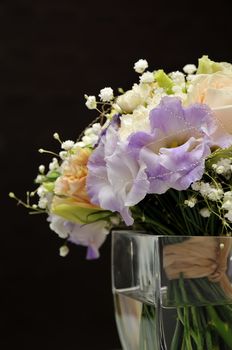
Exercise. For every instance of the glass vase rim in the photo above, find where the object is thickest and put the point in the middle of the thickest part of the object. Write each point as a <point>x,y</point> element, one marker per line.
<point>146,234</point>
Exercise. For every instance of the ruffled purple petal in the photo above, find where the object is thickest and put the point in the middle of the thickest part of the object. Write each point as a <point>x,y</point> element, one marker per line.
<point>91,236</point>
<point>121,182</point>
<point>175,150</point>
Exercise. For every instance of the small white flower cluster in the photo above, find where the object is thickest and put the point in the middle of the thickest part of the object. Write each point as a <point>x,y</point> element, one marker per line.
<point>179,86</point>
<point>227,205</point>
<point>106,95</point>
<point>190,69</point>
<point>208,190</point>
<point>191,202</point>
<point>147,78</point>
<point>91,136</point>
<point>45,197</point>
<point>205,212</point>
<point>223,167</point>
<point>140,66</point>
<point>67,145</point>
<point>54,164</point>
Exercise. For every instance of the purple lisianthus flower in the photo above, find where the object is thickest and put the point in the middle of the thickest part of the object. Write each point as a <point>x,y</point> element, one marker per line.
<point>175,149</point>
<point>90,235</point>
<point>116,179</point>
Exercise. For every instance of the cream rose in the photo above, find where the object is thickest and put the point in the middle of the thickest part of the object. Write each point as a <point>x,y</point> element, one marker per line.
<point>215,90</point>
<point>129,101</point>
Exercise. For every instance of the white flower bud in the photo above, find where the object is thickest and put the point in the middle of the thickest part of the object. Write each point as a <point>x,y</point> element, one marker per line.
<point>41,169</point>
<point>117,108</point>
<point>63,155</point>
<point>56,136</point>
<point>91,102</point>
<point>64,250</point>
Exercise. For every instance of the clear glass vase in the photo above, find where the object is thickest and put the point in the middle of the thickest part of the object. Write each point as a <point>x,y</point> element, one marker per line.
<point>172,292</point>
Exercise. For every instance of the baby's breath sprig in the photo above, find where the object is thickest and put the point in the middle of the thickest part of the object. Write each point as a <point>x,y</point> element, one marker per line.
<point>26,204</point>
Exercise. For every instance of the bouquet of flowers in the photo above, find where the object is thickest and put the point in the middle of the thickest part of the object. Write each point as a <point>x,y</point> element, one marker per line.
<point>158,158</point>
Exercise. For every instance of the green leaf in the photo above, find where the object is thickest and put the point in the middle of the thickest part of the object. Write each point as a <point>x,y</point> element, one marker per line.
<point>164,81</point>
<point>53,175</point>
<point>78,214</point>
<point>207,66</point>
<point>49,186</point>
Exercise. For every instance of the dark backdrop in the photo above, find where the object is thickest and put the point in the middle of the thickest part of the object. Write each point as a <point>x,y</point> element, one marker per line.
<point>51,54</point>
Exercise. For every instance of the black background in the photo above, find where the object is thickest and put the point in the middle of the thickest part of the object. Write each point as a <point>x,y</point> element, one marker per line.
<point>51,54</point>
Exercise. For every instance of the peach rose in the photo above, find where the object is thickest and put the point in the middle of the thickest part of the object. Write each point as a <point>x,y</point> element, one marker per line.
<point>215,90</point>
<point>72,182</point>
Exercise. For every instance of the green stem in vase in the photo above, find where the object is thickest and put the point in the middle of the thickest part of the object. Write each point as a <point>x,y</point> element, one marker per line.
<point>178,335</point>
<point>148,329</point>
<point>187,328</point>
<point>223,329</point>
<point>198,328</point>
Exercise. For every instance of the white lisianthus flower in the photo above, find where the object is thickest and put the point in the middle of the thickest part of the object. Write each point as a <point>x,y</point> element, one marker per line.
<point>91,102</point>
<point>147,78</point>
<point>67,145</point>
<point>106,94</point>
<point>205,213</point>
<point>140,66</point>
